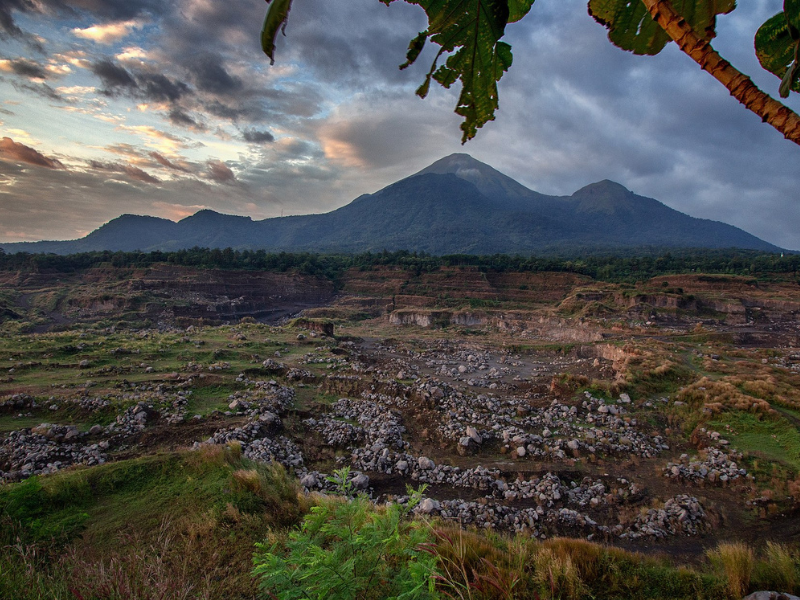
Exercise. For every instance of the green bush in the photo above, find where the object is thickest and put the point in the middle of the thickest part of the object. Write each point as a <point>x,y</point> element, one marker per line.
<point>350,550</point>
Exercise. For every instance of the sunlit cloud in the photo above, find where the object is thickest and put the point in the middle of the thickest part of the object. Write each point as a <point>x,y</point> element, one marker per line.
<point>132,53</point>
<point>15,151</point>
<point>107,33</point>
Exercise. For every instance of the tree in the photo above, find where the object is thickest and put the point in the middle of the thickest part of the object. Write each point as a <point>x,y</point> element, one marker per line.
<point>469,34</point>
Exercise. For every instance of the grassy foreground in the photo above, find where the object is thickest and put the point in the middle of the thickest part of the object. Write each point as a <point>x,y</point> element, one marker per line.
<point>185,525</point>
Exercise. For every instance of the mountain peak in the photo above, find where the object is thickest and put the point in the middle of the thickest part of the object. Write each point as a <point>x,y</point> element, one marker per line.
<point>603,189</point>
<point>489,181</point>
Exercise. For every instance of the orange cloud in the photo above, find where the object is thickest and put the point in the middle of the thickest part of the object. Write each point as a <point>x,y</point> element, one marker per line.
<point>9,149</point>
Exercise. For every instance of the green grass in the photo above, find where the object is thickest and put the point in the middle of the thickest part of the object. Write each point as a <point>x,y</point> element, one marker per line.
<point>210,398</point>
<point>97,531</point>
<point>776,440</point>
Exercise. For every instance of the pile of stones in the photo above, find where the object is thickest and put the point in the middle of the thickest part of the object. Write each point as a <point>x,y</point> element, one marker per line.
<point>681,515</point>
<point>47,449</point>
<point>713,466</point>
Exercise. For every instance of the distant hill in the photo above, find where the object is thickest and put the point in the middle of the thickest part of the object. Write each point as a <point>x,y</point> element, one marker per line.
<point>456,205</point>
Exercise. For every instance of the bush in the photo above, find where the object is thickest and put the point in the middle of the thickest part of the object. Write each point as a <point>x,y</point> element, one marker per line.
<point>348,550</point>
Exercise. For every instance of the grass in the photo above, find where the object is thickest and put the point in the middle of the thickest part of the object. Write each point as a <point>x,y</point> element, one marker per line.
<point>735,560</point>
<point>175,525</point>
<point>773,439</point>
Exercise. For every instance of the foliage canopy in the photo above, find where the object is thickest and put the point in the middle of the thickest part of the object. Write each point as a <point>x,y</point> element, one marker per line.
<point>469,33</point>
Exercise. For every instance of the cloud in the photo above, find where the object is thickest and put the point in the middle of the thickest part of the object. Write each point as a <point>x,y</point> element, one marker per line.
<point>220,172</point>
<point>11,150</point>
<point>255,136</point>
<point>165,162</point>
<point>210,75</point>
<point>180,117</point>
<point>154,87</point>
<point>24,68</point>
<point>159,88</point>
<point>107,33</point>
<point>113,76</point>
<point>132,172</point>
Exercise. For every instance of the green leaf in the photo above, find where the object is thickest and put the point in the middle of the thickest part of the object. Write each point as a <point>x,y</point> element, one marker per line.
<point>414,48</point>
<point>777,52</point>
<point>275,21</point>
<point>791,8</point>
<point>632,28</point>
<point>518,9</point>
<point>469,31</point>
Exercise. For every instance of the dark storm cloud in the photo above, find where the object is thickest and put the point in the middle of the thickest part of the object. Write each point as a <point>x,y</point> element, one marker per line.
<point>180,117</point>
<point>11,150</point>
<point>220,172</point>
<point>210,75</point>
<point>8,26</point>
<point>41,89</point>
<point>154,87</point>
<point>28,68</point>
<point>113,76</point>
<point>160,88</point>
<point>132,172</point>
<point>254,136</point>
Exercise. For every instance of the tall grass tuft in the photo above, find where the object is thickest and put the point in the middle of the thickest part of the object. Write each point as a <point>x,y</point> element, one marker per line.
<point>776,570</point>
<point>557,576</point>
<point>736,561</point>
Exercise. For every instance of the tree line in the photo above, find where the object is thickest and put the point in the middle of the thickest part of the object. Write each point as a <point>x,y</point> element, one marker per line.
<point>612,268</point>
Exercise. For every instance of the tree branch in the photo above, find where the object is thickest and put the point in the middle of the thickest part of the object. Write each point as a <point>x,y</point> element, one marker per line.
<point>739,85</point>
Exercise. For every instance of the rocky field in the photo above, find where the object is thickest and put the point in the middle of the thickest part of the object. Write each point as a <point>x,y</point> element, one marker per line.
<point>633,417</point>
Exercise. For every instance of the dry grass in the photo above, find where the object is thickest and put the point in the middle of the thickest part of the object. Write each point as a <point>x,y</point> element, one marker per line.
<point>557,576</point>
<point>736,561</point>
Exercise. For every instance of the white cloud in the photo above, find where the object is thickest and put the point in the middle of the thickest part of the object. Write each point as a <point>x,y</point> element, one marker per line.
<point>109,32</point>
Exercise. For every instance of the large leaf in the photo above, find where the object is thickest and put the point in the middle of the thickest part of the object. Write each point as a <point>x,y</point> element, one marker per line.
<point>777,44</point>
<point>275,21</point>
<point>469,32</point>
<point>632,28</point>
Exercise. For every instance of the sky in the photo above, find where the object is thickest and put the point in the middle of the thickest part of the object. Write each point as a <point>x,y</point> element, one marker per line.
<point>166,108</point>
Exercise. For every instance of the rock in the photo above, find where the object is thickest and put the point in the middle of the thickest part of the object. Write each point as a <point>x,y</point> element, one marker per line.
<point>425,463</point>
<point>360,482</point>
<point>402,466</point>
<point>309,481</point>
<point>427,506</point>
<point>521,451</point>
<point>473,433</point>
<point>96,430</point>
<point>624,398</point>
<point>84,364</point>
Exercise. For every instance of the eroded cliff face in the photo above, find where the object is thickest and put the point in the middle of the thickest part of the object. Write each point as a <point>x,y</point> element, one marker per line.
<point>165,294</point>
<point>529,324</point>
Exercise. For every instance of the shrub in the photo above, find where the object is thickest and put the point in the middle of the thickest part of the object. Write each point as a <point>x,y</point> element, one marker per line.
<point>348,550</point>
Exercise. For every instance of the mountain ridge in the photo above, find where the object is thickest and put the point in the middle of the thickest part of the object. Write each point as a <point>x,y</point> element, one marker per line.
<point>456,205</point>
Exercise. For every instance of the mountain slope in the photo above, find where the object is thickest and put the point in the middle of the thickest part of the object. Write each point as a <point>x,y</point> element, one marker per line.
<point>456,205</point>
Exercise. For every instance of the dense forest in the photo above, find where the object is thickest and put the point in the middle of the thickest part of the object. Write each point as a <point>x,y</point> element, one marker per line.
<point>617,268</point>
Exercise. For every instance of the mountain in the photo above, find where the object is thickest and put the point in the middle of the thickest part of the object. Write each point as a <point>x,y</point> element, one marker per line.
<point>456,205</point>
